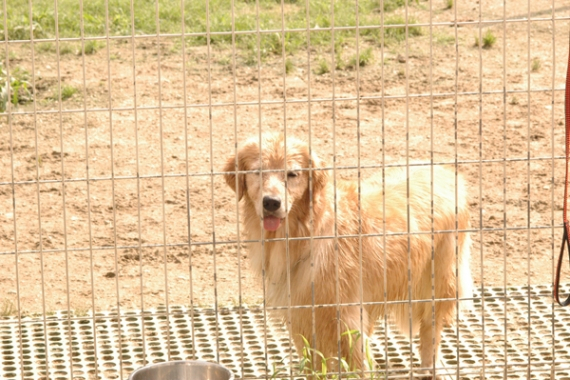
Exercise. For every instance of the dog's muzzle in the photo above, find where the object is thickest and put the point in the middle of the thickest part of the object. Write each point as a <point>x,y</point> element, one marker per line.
<point>270,205</point>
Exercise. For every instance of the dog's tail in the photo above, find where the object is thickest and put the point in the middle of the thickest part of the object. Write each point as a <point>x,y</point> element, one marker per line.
<point>464,278</point>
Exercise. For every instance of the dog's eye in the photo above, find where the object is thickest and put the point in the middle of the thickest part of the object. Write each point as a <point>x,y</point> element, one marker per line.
<point>292,174</point>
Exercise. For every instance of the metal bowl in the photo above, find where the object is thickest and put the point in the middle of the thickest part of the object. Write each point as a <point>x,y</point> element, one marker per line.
<point>183,370</point>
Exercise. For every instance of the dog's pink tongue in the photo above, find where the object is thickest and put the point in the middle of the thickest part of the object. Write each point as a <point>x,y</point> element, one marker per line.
<point>271,223</point>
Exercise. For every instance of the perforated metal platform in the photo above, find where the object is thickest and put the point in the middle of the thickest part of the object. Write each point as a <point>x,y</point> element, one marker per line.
<point>516,334</point>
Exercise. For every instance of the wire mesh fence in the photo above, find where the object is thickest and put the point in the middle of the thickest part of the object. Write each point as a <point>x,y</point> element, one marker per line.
<point>121,244</point>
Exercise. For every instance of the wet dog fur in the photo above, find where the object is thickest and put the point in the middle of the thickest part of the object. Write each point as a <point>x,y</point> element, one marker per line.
<point>286,191</point>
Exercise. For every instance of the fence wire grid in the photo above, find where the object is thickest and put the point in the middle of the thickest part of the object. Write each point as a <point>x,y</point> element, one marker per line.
<point>121,245</point>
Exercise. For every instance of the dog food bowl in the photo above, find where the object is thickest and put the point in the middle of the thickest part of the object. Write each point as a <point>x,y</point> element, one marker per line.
<point>183,370</point>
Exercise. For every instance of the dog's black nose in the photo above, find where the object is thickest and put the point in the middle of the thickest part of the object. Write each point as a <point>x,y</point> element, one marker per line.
<point>271,203</point>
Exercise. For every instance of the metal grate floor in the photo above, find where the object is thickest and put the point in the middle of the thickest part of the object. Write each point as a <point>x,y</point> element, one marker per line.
<point>516,334</point>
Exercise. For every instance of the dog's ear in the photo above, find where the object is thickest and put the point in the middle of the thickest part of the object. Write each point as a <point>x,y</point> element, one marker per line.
<point>230,176</point>
<point>320,176</point>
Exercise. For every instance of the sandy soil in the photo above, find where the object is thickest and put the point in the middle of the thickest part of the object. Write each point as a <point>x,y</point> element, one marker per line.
<point>130,209</point>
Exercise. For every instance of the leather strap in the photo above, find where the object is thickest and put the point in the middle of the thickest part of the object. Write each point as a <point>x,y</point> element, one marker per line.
<point>565,242</point>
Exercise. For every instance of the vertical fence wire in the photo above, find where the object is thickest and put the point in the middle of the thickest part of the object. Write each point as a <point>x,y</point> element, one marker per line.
<point>238,215</point>
<point>38,200</point>
<point>528,205</point>
<point>138,182</point>
<point>431,180</point>
<point>87,200</point>
<point>63,182</point>
<point>552,184</point>
<point>162,176</point>
<point>359,184</point>
<point>336,255</point>
<point>288,262</point>
<point>13,186</point>
<point>212,170</point>
<point>480,164</point>
<point>407,170</point>
<point>504,224</point>
<point>383,174</point>
<point>312,338</point>
<point>113,185</point>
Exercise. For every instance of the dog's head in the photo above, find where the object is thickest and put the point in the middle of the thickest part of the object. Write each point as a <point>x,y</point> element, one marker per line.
<point>275,176</point>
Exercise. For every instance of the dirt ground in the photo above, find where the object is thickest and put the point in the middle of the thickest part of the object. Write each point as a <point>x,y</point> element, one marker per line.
<point>131,211</point>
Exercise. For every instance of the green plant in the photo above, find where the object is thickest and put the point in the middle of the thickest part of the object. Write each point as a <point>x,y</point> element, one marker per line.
<point>489,40</point>
<point>8,309</point>
<point>66,92</point>
<point>289,66</point>
<point>322,67</point>
<point>364,58</point>
<point>99,17</point>
<point>45,47</point>
<point>338,49</point>
<point>514,101</point>
<point>316,366</point>
<point>14,88</point>
<point>536,64</point>
<point>65,49</point>
<point>81,311</point>
<point>92,46</point>
<point>448,4</point>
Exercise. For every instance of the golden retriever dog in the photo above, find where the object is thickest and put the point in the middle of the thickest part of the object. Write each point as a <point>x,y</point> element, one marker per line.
<point>335,263</point>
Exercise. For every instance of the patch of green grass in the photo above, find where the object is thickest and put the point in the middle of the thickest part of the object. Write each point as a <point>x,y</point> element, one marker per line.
<point>81,311</point>
<point>322,67</point>
<point>14,88</point>
<point>64,93</point>
<point>364,58</point>
<point>489,40</point>
<point>49,47</point>
<point>289,66</point>
<point>224,61</point>
<point>7,309</point>
<point>67,92</point>
<point>200,17</point>
<point>65,49</point>
<point>92,46</point>
<point>448,4</point>
<point>318,367</point>
<point>45,47</point>
<point>536,64</point>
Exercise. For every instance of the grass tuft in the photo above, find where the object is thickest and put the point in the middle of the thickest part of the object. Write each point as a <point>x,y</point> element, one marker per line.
<point>323,67</point>
<point>15,88</point>
<point>289,66</point>
<point>66,92</point>
<point>364,59</point>
<point>7,309</point>
<point>316,366</point>
<point>536,64</point>
<point>91,47</point>
<point>489,40</point>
